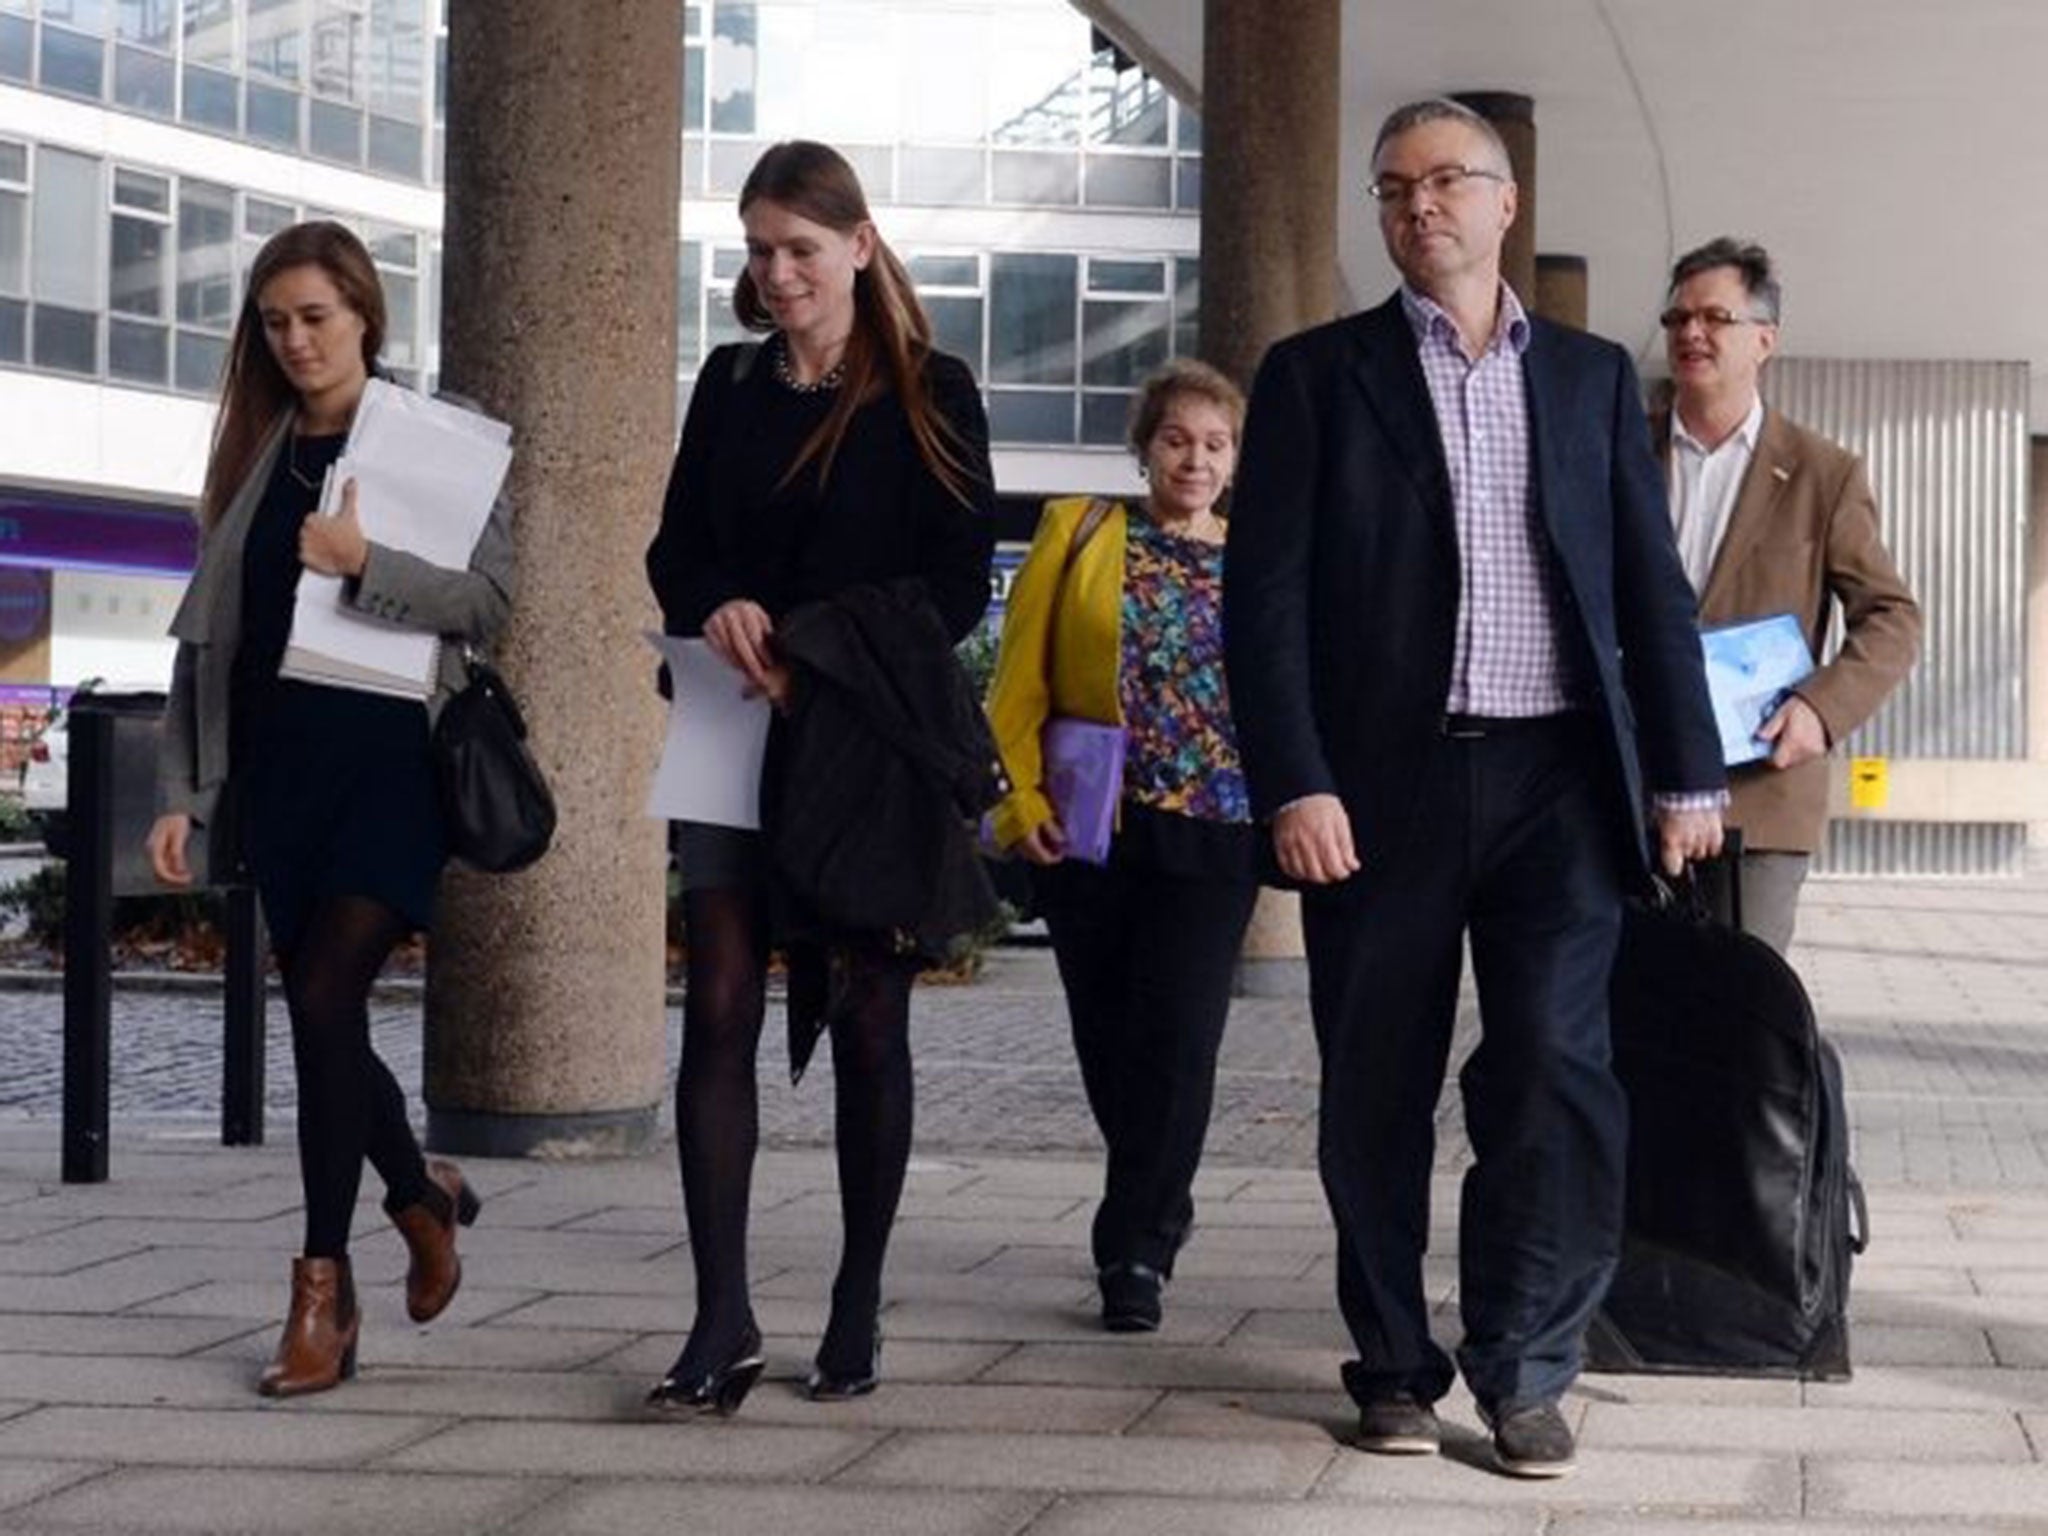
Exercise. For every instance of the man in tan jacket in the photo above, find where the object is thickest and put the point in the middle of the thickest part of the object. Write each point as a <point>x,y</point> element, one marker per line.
<point>1771,518</point>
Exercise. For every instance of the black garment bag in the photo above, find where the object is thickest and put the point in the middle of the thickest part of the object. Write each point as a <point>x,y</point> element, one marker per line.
<point>1743,1212</point>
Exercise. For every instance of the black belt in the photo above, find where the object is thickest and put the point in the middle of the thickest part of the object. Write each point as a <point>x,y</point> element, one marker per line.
<point>1479,727</point>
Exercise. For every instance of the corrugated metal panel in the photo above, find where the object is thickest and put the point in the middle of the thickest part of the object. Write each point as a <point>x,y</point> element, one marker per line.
<point>1946,447</point>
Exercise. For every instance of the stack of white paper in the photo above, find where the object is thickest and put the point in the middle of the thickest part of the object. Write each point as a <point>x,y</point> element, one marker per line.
<point>427,474</point>
<point>710,766</point>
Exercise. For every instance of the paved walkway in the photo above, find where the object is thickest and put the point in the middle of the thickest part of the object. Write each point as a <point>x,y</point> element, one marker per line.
<point>134,1315</point>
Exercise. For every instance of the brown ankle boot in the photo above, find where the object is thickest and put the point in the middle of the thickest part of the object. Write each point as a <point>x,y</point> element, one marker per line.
<point>318,1349</point>
<point>428,1227</point>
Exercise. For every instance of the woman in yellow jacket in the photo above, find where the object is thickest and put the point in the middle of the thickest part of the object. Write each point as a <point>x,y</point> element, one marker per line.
<point>1116,617</point>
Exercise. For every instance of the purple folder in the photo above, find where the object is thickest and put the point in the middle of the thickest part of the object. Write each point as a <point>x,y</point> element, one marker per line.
<point>1084,778</point>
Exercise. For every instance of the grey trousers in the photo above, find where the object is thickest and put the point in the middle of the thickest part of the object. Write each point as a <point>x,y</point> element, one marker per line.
<point>1770,895</point>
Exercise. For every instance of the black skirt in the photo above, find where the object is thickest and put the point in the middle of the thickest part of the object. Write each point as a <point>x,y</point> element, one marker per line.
<point>335,794</point>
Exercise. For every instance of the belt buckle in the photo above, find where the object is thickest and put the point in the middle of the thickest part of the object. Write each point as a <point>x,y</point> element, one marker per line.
<point>1463,728</point>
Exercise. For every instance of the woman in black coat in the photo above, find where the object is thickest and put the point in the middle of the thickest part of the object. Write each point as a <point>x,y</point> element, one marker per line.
<point>840,451</point>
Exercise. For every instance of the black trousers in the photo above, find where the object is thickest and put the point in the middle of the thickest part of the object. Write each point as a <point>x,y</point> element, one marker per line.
<point>1512,842</point>
<point>1146,960</point>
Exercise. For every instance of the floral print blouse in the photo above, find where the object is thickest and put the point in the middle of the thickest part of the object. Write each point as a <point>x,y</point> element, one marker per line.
<point>1180,753</point>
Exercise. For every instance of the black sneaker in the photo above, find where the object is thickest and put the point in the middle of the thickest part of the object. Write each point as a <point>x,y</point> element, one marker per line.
<point>1131,1298</point>
<point>1533,1441</point>
<point>1399,1425</point>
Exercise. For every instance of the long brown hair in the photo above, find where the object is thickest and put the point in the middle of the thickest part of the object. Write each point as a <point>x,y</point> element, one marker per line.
<point>254,391</point>
<point>891,337</point>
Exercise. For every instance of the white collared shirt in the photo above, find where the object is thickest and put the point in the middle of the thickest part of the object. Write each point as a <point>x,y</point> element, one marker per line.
<point>1704,485</point>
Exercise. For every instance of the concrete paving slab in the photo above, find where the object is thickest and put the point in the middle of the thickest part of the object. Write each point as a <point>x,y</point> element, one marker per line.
<point>1118,1516</point>
<point>1173,1367</point>
<point>122,1336</point>
<point>1725,1391</point>
<point>316,1503</point>
<point>269,1435</point>
<point>60,1253</point>
<point>1878,1490</point>
<point>395,1341</point>
<point>2019,1347</point>
<point>729,1448</point>
<point>1933,1389</point>
<point>789,1356</point>
<point>1646,1482</point>
<point>1309,1418</point>
<point>1904,1434</point>
<point>23,1482</point>
<point>1184,1326</point>
<point>662,1509</point>
<point>1094,1463</point>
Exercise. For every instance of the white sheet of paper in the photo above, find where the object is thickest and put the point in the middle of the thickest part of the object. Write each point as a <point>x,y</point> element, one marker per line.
<point>710,767</point>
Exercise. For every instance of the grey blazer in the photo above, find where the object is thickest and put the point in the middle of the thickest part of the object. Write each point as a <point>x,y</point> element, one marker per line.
<point>471,605</point>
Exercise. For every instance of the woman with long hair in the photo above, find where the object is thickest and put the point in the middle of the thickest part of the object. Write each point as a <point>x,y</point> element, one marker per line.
<point>326,793</point>
<point>839,451</point>
<point>1116,617</point>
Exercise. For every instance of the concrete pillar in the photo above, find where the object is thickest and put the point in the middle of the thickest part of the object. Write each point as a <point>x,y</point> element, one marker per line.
<point>1514,119</point>
<point>2036,697</point>
<point>1269,256</point>
<point>545,1010</point>
<point>1561,289</point>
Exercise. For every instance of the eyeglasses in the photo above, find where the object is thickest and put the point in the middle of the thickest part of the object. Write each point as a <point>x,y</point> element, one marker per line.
<point>1713,319</point>
<point>1442,182</point>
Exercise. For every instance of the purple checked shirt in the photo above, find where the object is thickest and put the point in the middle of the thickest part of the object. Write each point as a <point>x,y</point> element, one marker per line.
<point>1506,661</point>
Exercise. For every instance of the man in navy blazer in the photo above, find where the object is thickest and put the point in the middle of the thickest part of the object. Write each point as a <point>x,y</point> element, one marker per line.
<point>1465,676</point>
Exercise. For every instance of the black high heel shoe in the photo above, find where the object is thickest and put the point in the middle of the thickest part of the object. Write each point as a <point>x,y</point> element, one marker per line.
<point>825,1385</point>
<point>719,1390</point>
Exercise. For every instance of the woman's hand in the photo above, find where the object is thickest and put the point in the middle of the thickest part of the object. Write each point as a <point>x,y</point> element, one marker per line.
<point>739,632</point>
<point>167,838</point>
<point>334,545</point>
<point>1044,845</point>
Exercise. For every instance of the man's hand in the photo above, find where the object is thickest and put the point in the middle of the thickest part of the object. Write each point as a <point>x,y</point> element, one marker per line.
<point>335,546</point>
<point>1312,840</point>
<point>1684,835</point>
<point>1795,733</point>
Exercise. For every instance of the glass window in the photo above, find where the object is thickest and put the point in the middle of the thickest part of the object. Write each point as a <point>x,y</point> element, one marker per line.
<point>727,262</point>
<point>206,255</point>
<point>689,306</point>
<point>69,267</point>
<point>212,99</point>
<point>394,247</point>
<point>731,159</point>
<point>145,82</point>
<point>956,326</point>
<point>721,325</point>
<point>13,162</point>
<point>1110,275</point>
<point>139,277</point>
<point>693,90</point>
<point>13,242</point>
<point>402,317</point>
<point>66,339</point>
<point>138,354</point>
<point>693,19</point>
<point>141,190</point>
<point>81,15</point>
<point>944,271</point>
<point>13,331</point>
<point>1031,318</point>
<point>948,61</point>
<point>397,63</point>
<point>1105,418</point>
<point>201,359</point>
<point>71,62</point>
<point>397,148</point>
<point>334,48</point>
<point>1031,416</point>
<point>272,114</point>
<point>334,132</point>
<point>152,23</point>
<point>1125,105</point>
<point>828,72</point>
<point>734,56</point>
<point>17,48</point>
<point>1190,127</point>
<point>275,42</point>
<point>942,177</point>
<point>210,33</point>
<point>1026,177</point>
<point>261,218</point>
<point>1189,196</point>
<point>1122,340</point>
<point>875,165</point>
<point>1130,181</point>
<point>1187,306</point>
<point>1035,80</point>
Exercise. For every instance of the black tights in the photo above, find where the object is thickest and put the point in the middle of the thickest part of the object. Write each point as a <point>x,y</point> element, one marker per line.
<point>717,1126</point>
<point>350,1106</point>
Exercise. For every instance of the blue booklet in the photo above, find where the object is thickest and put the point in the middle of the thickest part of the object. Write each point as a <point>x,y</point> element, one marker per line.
<point>1750,668</point>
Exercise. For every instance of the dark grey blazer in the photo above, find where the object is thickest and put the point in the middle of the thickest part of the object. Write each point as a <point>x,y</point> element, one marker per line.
<point>471,605</point>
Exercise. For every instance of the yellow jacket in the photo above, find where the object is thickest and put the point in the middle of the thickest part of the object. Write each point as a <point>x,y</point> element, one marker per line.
<point>1071,672</point>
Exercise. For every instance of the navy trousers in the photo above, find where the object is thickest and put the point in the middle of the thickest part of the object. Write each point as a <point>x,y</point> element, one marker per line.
<point>1513,843</point>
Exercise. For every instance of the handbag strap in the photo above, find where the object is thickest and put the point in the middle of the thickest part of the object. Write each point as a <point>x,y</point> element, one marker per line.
<point>1099,508</point>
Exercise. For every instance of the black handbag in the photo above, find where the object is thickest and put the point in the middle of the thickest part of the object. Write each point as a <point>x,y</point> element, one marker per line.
<point>498,810</point>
